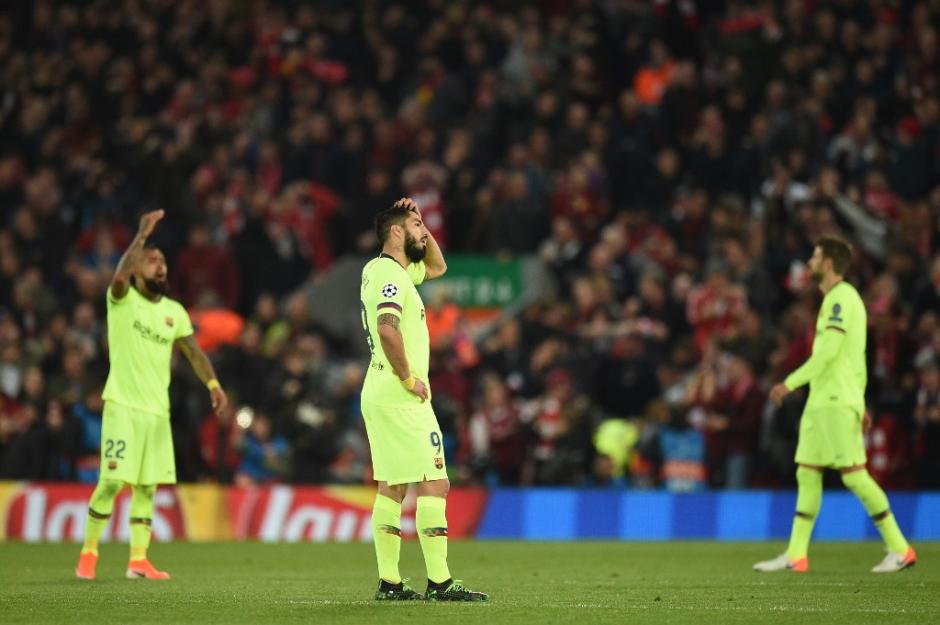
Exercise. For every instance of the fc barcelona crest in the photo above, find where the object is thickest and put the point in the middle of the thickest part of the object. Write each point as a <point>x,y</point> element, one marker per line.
<point>112,465</point>
<point>169,321</point>
<point>439,463</point>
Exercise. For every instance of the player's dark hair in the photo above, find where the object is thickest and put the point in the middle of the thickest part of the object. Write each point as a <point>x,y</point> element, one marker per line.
<point>386,218</point>
<point>151,245</point>
<point>838,251</point>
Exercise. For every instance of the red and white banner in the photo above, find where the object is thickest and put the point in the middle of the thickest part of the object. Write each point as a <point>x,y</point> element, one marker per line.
<point>35,512</point>
<point>57,513</point>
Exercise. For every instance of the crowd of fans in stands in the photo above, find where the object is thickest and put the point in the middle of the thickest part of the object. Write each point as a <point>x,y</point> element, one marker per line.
<point>670,161</point>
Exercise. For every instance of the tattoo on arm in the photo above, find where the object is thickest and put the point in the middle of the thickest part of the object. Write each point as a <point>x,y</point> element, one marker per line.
<point>393,344</point>
<point>386,319</point>
<point>122,275</point>
<point>196,357</point>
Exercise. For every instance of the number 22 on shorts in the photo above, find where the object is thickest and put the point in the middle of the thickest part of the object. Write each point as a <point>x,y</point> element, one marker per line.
<point>114,448</point>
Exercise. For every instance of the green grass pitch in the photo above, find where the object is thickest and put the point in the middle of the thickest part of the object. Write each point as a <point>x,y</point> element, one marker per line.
<point>585,582</point>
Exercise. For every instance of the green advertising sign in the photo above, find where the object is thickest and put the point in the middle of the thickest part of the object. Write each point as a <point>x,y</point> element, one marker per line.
<point>478,282</point>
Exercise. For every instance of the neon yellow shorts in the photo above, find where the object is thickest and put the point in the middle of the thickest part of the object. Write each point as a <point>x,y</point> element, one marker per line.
<point>831,437</point>
<point>406,443</point>
<point>136,447</point>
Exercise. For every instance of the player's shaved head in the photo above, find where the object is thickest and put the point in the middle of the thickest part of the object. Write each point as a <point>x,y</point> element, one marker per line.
<point>838,251</point>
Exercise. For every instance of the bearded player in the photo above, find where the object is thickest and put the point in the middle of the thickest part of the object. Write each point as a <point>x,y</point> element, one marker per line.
<point>403,432</point>
<point>136,441</point>
<point>831,426</point>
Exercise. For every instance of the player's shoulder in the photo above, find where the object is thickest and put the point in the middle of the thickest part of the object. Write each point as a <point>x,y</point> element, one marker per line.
<point>171,304</point>
<point>842,291</point>
<point>383,266</point>
<point>841,302</point>
<point>846,292</point>
<point>130,294</point>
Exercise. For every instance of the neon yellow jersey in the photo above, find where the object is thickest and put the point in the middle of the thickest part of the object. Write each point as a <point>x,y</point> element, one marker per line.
<point>140,344</point>
<point>389,288</point>
<point>837,372</point>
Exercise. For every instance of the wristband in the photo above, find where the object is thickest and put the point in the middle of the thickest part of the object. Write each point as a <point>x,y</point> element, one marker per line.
<point>213,384</point>
<point>409,382</point>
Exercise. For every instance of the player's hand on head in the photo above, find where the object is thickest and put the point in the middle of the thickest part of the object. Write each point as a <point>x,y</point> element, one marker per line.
<point>148,221</point>
<point>408,204</point>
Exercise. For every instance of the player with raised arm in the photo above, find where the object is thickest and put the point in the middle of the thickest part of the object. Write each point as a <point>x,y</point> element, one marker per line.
<point>403,432</point>
<point>831,427</point>
<point>136,442</point>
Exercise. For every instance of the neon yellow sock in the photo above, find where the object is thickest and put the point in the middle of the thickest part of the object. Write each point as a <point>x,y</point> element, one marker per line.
<point>431,524</point>
<point>875,501</point>
<point>141,515</point>
<point>386,533</point>
<point>94,528</point>
<point>808,502</point>
<point>100,507</point>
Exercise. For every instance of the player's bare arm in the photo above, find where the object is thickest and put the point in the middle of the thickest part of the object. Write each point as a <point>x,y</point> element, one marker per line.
<point>203,368</point>
<point>393,346</point>
<point>434,263</point>
<point>133,256</point>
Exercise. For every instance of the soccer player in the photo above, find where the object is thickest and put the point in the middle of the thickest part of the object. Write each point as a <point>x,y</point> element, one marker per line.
<point>403,432</point>
<point>831,427</point>
<point>136,442</point>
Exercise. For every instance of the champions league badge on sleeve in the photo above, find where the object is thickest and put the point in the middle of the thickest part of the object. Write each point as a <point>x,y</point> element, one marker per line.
<point>836,311</point>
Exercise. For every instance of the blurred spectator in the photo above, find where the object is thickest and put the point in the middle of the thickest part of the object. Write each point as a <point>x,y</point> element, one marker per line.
<point>714,306</point>
<point>927,420</point>
<point>732,424</point>
<point>652,79</point>
<point>889,452</point>
<point>205,272</point>
<point>560,419</point>
<point>670,165</point>
<point>677,448</point>
<point>614,442</point>
<point>497,437</point>
<point>625,378</point>
<point>242,366</point>
<point>264,455</point>
<point>86,434</point>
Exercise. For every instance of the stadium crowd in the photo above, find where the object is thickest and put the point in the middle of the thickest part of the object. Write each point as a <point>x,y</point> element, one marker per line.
<point>669,161</point>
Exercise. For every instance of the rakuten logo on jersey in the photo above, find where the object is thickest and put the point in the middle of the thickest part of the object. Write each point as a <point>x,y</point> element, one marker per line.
<point>57,513</point>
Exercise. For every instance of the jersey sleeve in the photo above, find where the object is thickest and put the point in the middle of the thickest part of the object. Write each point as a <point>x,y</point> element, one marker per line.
<point>114,301</point>
<point>184,325</point>
<point>390,284</point>
<point>827,343</point>
<point>417,272</point>
<point>825,349</point>
<point>837,315</point>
